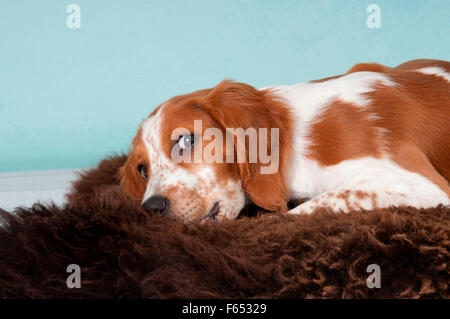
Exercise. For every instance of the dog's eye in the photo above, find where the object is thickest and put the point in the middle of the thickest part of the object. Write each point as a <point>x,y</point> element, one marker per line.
<point>143,171</point>
<point>185,141</point>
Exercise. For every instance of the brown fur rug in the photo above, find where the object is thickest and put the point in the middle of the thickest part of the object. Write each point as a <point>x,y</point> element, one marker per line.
<point>125,253</point>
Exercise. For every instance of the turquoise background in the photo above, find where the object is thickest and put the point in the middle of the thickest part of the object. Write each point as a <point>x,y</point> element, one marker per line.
<point>69,97</point>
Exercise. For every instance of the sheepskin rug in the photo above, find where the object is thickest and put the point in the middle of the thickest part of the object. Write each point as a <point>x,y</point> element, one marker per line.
<point>125,253</point>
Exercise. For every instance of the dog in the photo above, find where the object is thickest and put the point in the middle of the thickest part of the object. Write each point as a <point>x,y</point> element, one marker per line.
<point>371,138</point>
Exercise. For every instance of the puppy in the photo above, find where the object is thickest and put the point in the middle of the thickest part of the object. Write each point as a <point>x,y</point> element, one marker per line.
<point>372,138</point>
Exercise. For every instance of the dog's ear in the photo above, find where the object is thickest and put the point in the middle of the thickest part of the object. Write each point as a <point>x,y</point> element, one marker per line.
<point>236,105</point>
<point>129,176</point>
<point>129,180</point>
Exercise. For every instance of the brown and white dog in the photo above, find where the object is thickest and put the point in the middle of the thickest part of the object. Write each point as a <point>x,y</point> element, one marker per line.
<point>373,137</point>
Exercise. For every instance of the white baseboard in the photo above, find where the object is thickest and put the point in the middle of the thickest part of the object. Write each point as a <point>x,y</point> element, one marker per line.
<point>26,188</point>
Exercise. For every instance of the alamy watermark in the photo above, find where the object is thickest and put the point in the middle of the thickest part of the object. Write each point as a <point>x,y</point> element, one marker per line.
<point>73,21</point>
<point>234,144</point>
<point>374,19</point>
<point>74,279</point>
<point>374,280</point>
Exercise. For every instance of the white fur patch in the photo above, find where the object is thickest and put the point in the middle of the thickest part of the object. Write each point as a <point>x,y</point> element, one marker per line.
<point>436,71</point>
<point>382,182</point>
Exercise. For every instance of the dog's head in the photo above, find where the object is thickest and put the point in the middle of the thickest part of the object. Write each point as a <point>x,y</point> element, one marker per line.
<point>194,156</point>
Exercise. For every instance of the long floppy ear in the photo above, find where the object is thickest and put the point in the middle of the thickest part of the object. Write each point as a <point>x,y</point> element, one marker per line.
<point>238,105</point>
<point>129,176</point>
<point>129,179</point>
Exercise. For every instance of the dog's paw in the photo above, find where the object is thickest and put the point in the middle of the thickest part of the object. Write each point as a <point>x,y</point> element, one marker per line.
<point>306,208</point>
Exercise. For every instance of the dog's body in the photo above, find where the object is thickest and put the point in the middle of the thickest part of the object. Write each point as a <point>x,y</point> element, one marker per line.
<point>373,137</point>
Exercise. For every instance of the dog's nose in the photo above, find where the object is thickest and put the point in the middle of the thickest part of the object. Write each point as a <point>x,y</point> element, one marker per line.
<point>156,204</point>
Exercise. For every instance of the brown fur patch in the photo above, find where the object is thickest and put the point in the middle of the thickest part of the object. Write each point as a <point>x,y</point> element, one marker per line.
<point>343,131</point>
<point>125,253</point>
<point>416,114</point>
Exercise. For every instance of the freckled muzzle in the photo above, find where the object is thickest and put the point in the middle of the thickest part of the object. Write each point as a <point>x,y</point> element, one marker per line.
<point>178,202</point>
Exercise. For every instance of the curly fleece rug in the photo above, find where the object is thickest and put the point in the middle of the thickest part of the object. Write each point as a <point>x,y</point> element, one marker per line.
<point>125,253</point>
